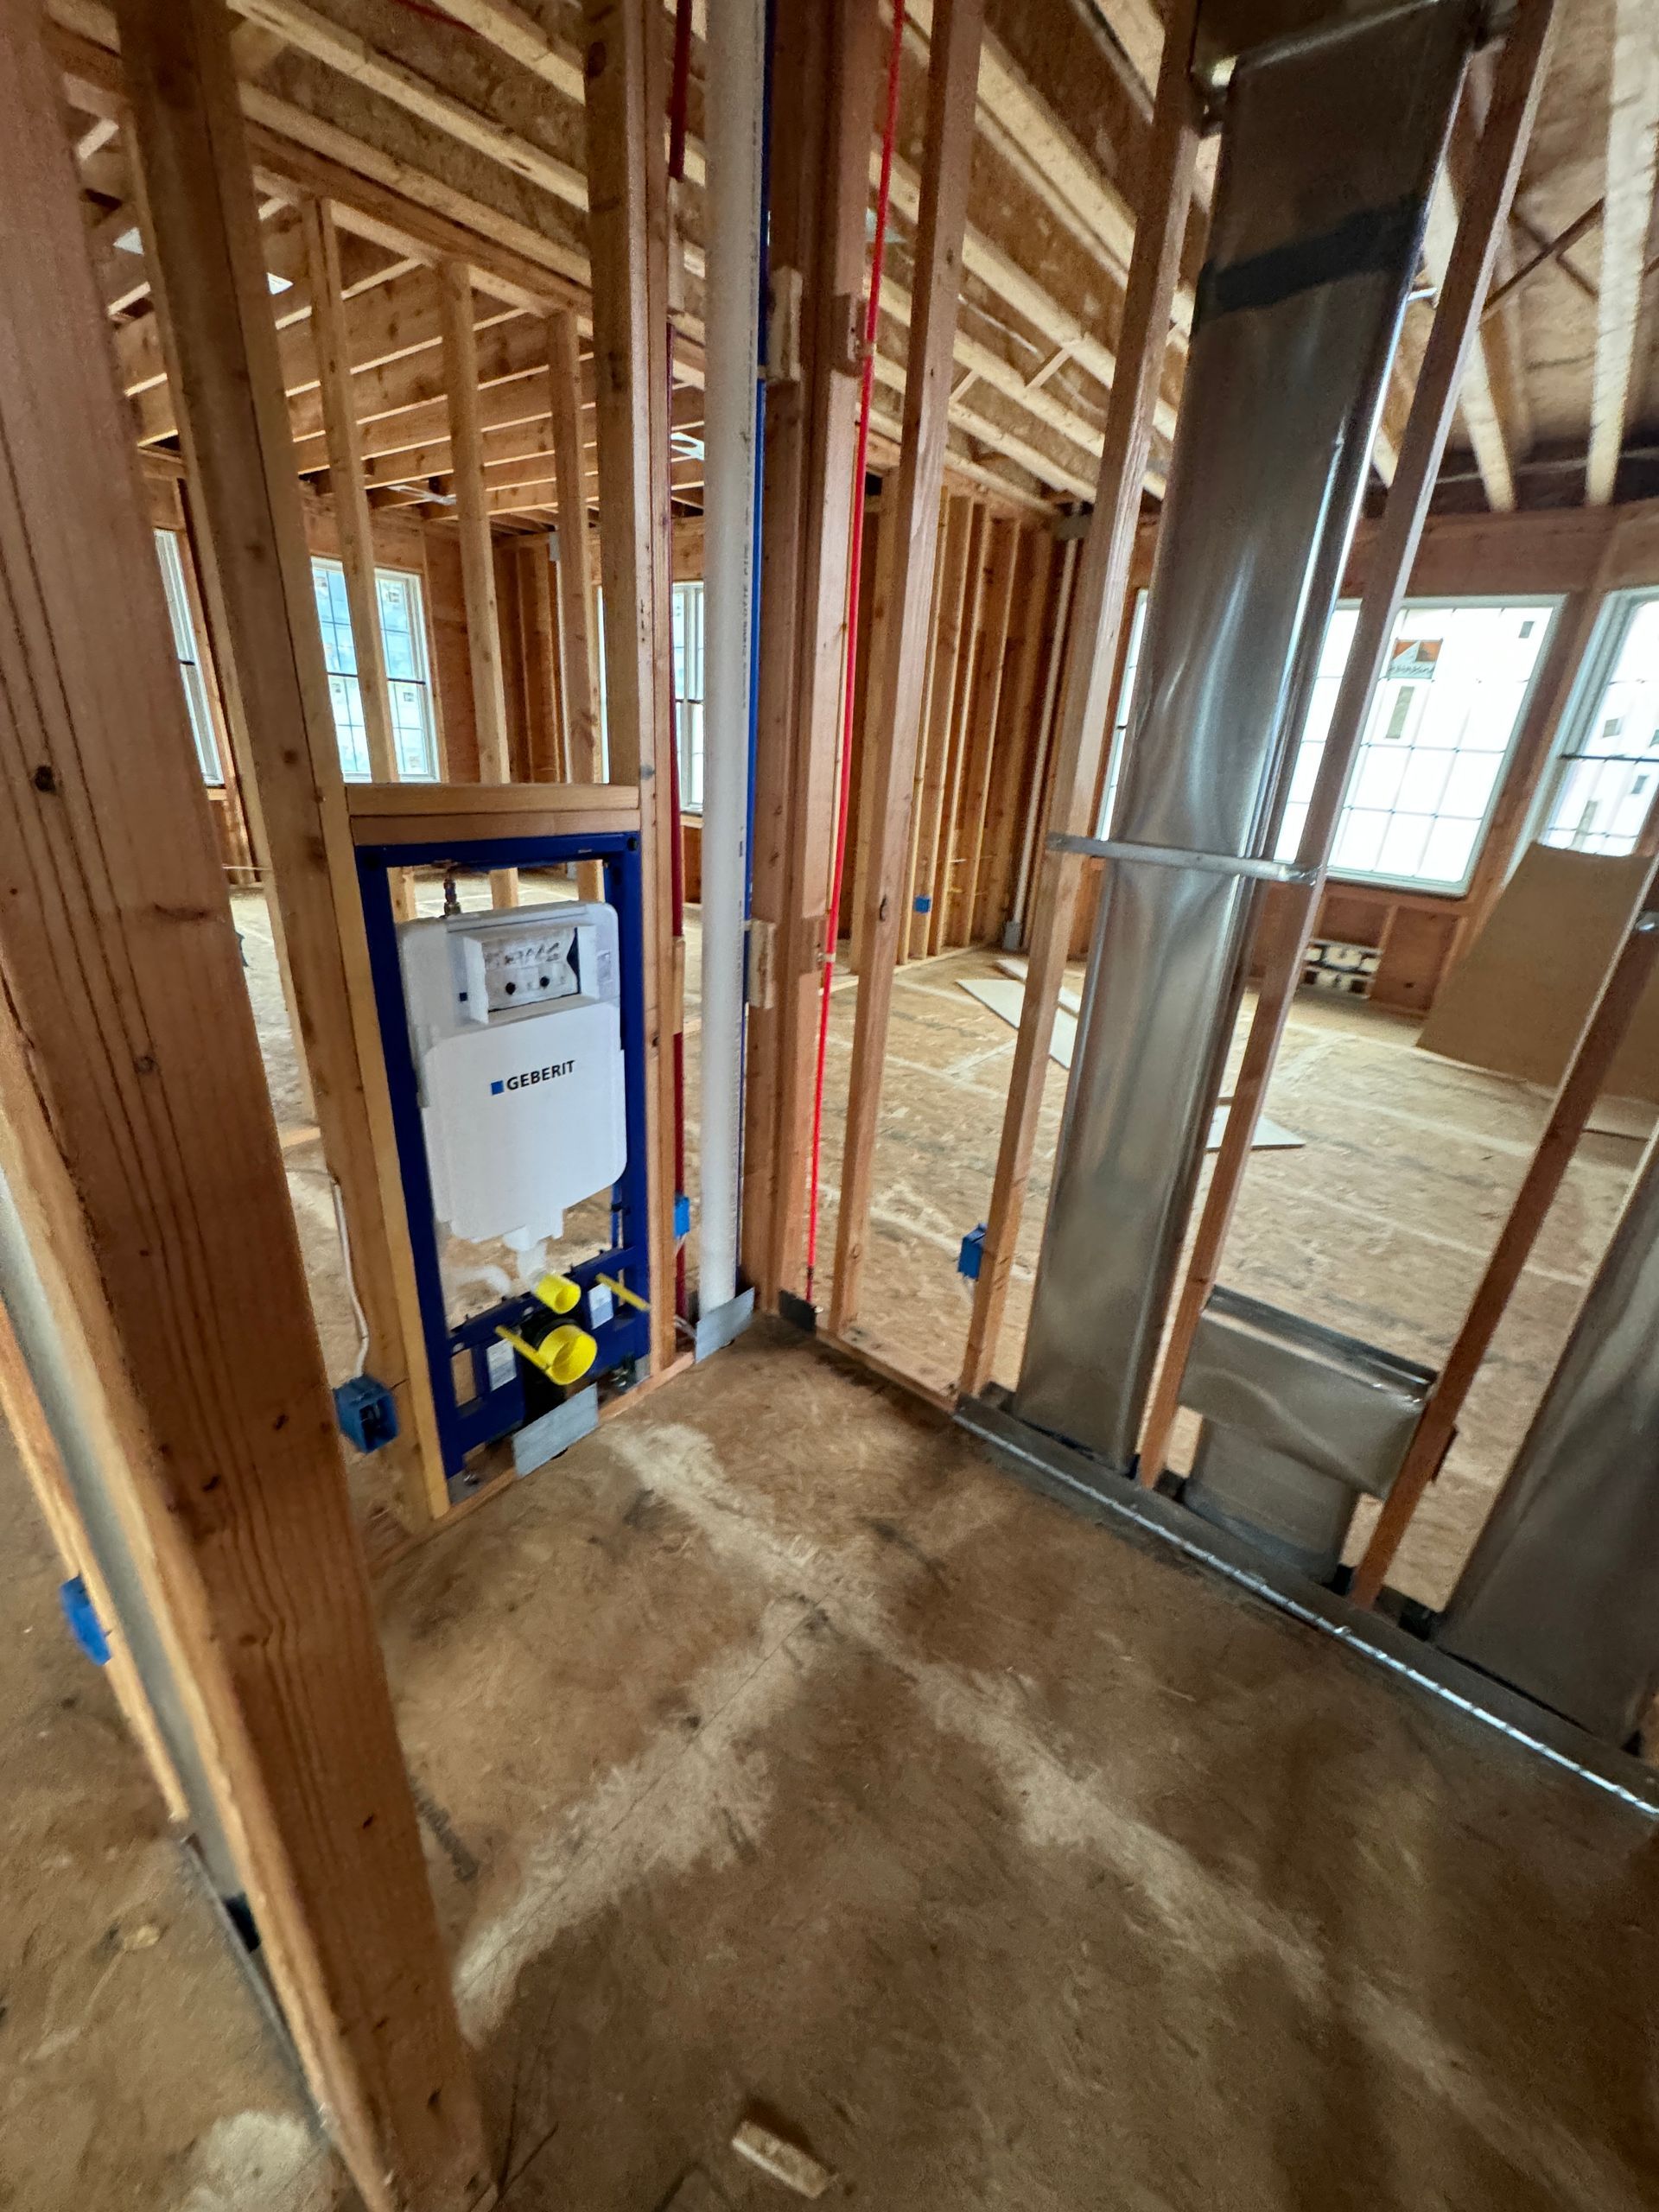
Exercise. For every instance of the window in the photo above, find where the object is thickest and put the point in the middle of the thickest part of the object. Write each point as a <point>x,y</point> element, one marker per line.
<point>1608,769</point>
<point>1436,741</point>
<point>688,693</point>
<point>1442,723</point>
<point>1120,719</point>
<point>402,638</point>
<point>184,642</point>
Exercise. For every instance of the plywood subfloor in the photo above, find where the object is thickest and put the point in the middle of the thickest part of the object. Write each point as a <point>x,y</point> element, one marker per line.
<point>786,1755</point>
<point>776,1753</point>
<point>138,2071</point>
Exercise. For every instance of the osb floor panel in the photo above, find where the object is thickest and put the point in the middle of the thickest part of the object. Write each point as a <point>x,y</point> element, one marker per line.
<point>774,1753</point>
<point>783,1755</point>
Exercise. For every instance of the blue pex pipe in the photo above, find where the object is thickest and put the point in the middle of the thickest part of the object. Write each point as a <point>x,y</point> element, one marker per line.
<point>759,532</point>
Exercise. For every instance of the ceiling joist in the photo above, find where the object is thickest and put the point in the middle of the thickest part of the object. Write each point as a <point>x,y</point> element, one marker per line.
<point>1632,162</point>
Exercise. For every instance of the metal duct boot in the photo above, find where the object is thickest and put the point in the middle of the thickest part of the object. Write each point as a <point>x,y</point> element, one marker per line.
<point>1330,143</point>
<point>1298,1424</point>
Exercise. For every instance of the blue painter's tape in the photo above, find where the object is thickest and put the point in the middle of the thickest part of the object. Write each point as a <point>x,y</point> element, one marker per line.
<point>84,1623</point>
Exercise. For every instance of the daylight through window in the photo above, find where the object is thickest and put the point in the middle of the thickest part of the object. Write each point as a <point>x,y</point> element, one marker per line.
<point>1608,767</point>
<point>403,637</point>
<point>184,643</point>
<point>1442,723</point>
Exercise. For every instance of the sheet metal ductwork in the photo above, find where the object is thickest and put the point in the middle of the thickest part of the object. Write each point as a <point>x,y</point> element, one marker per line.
<point>1330,145</point>
<point>1560,1595</point>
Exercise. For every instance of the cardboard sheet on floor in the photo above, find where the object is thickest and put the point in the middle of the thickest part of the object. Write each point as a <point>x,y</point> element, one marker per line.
<point>1516,1000</point>
<point>1004,995</point>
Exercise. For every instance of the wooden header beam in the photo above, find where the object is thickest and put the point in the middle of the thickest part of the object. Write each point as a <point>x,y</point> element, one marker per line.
<point>138,1142</point>
<point>425,814</point>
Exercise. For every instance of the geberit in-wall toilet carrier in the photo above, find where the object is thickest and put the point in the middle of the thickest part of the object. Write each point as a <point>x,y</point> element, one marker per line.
<point>515,1020</point>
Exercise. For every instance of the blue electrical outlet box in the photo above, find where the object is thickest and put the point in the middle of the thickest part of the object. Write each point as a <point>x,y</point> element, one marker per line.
<point>923,904</point>
<point>682,1214</point>
<point>366,1412</point>
<point>973,1250</point>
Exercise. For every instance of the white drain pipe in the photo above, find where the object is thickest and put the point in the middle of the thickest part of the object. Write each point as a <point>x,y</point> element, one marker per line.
<point>734,106</point>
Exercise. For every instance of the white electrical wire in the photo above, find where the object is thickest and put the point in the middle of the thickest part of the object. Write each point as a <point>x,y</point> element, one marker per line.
<point>346,1255</point>
<point>351,1280</point>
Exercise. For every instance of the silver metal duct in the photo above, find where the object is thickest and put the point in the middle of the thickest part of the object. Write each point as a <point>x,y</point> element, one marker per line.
<point>1330,144</point>
<point>1299,1421</point>
<point>1560,1595</point>
<point>79,1449</point>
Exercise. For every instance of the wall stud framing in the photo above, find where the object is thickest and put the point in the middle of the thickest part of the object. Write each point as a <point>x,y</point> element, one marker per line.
<point>351,500</point>
<point>953,68</point>
<point>962,716</point>
<point>196,205</point>
<point>964,893</point>
<point>820,195</point>
<point>1628,975</point>
<point>1101,593</point>
<point>477,555</point>
<point>139,1143</point>
<point>931,777</point>
<point>627,187</point>
<point>578,616</point>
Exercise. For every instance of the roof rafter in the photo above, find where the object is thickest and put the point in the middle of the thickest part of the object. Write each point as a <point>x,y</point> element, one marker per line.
<point>1632,163</point>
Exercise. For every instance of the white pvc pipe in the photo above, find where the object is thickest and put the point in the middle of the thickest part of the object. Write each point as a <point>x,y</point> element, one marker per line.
<point>733,99</point>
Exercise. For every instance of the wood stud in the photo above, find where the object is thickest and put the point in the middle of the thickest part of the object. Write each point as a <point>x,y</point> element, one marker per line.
<point>941,221</point>
<point>1101,594</point>
<point>137,1131</point>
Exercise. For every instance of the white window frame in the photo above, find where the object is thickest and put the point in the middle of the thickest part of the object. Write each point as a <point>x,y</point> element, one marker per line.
<point>688,725</point>
<point>1590,682</point>
<point>407,579</point>
<point>1548,604</point>
<point>188,646</point>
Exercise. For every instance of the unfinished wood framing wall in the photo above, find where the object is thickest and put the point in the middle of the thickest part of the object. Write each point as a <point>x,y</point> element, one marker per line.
<point>440,372</point>
<point>987,716</point>
<point>141,1153</point>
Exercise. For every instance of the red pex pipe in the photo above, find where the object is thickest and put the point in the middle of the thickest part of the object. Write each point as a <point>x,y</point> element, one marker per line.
<point>854,568</point>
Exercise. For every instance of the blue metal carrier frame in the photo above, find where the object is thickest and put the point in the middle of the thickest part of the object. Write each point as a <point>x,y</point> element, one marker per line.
<point>496,1409</point>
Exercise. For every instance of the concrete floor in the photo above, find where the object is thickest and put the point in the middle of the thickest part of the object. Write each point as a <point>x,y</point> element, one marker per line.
<point>774,1752</point>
